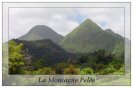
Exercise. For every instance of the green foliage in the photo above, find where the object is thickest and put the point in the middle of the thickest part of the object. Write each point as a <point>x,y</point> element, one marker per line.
<point>46,49</point>
<point>15,57</point>
<point>103,57</point>
<point>110,69</point>
<point>59,68</point>
<point>44,71</point>
<point>86,71</point>
<point>39,63</point>
<point>98,67</point>
<point>122,69</point>
<point>83,59</point>
<point>71,70</point>
<point>55,60</point>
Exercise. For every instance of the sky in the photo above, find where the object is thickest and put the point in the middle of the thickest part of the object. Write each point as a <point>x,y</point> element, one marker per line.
<point>63,20</point>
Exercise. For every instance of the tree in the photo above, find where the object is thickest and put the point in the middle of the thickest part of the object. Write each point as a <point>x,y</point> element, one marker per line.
<point>16,60</point>
<point>39,63</point>
<point>104,57</point>
<point>44,71</point>
<point>100,55</point>
<point>83,59</point>
<point>86,71</point>
<point>110,69</point>
<point>60,67</point>
<point>71,70</point>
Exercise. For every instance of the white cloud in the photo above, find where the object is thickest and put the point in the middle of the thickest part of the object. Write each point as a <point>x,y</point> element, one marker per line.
<point>113,17</point>
<point>62,26</point>
<point>23,19</point>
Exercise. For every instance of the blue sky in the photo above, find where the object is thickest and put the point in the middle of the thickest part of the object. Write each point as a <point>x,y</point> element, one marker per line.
<point>103,24</point>
<point>77,17</point>
<point>80,18</point>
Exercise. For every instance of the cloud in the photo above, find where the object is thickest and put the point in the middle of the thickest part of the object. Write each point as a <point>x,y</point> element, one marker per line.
<point>113,18</point>
<point>63,20</point>
<point>61,25</point>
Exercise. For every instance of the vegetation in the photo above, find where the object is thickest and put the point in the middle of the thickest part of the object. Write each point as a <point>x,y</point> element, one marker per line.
<point>89,37</point>
<point>71,70</point>
<point>86,50</point>
<point>16,58</point>
<point>86,71</point>
<point>98,62</point>
<point>41,32</point>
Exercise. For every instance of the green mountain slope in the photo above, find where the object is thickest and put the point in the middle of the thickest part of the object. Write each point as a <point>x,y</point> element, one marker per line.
<point>88,37</point>
<point>41,32</point>
<point>44,49</point>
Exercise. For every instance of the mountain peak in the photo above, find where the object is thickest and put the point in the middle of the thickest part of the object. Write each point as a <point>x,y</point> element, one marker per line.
<point>40,27</point>
<point>90,35</point>
<point>89,25</point>
<point>40,32</point>
<point>88,20</point>
<point>109,30</point>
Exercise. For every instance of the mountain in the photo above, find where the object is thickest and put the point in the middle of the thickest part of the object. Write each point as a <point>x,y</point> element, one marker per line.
<point>112,33</point>
<point>89,37</point>
<point>41,32</point>
<point>44,49</point>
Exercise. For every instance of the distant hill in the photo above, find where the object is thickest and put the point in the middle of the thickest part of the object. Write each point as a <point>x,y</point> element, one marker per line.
<point>89,37</point>
<point>44,49</point>
<point>40,32</point>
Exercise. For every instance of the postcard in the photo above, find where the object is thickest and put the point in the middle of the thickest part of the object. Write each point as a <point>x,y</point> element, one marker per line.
<point>84,44</point>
